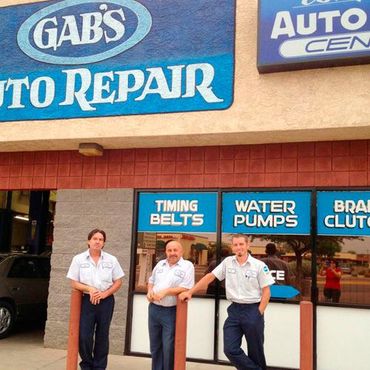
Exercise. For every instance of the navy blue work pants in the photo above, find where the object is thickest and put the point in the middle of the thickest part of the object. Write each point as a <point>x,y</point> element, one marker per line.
<point>162,323</point>
<point>94,333</point>
<point>245,319</point>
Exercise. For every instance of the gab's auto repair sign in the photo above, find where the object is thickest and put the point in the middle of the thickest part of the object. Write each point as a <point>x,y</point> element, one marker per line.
<point>88,58</point>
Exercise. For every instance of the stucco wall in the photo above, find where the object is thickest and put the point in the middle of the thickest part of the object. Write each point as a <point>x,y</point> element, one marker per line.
<point>311,105</point>
<point>78,212</point>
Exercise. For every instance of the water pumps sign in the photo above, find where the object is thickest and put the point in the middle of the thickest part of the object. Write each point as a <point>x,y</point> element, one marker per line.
<point>297,34</point>
<point>284,213</point>
<point>90,58</point>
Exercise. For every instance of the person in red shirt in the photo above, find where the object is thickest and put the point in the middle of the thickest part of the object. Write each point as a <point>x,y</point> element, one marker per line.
<point>332,283</point>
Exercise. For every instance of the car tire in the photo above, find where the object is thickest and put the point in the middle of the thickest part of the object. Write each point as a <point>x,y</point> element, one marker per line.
<point>7,318</point>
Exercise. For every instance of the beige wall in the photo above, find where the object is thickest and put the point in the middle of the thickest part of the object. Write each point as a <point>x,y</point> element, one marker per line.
<point>321,104</point>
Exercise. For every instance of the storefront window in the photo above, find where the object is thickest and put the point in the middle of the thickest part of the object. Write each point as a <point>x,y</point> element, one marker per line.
<point>288,259</point>
<point>290,265</point>
<point>343,271</point>
<point>298,240</point>
<point>189,218</point>
<point>343,247</point>
<point>281,219</point>
<point>200,249</point>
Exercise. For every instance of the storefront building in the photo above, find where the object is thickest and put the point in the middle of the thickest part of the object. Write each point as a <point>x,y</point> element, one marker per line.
<point>179,133</point>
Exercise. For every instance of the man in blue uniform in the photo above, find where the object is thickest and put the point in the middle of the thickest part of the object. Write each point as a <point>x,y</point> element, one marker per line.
<point>247,283</point>
<point>170,277</point>
<point>98,275</point>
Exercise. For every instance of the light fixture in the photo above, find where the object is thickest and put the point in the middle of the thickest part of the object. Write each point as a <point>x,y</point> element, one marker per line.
<point>90,149</point>
<point>22,218</point>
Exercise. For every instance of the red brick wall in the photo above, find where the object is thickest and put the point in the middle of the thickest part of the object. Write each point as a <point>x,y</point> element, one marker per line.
<point>341,163</point>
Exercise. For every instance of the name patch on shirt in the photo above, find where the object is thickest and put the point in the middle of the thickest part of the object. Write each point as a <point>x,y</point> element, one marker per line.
<point>179,273</point>
<point>107,265</point>
<point>231,271</point>
<point>85,265</point>
<point>251,274</point>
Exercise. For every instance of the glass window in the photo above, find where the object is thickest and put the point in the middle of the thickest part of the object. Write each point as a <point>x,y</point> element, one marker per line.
<point>187,217</point>
<point>199,249</point>
<point>343,246</point>
<point>341,262</point>
<point>343,273</point>
<point>288,257</point>
<point>25,268</point>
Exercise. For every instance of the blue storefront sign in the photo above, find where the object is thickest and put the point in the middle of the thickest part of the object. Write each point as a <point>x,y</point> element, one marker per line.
<point>177,212</point>
<point>285,213</point>
<point>343,213</point>
<point>91,58</point>
<point>297,34</point>
<point>283,291</point>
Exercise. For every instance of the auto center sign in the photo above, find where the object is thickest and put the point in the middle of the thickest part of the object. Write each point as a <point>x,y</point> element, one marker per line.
<point>297,34</point>
<point>88,58</point>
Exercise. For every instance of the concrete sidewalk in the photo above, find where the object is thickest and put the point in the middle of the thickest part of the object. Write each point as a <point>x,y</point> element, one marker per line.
<point>25,351</point>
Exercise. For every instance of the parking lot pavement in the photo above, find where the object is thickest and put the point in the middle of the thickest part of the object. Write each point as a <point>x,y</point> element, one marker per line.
<point>24,350</point>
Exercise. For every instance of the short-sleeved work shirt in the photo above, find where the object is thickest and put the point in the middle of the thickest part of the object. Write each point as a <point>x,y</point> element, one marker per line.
<point>243,283</point>
<point>101,275</point>
<point>165,276</point>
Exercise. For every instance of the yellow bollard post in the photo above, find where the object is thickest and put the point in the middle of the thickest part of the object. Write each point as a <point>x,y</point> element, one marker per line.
<point>74,330</point>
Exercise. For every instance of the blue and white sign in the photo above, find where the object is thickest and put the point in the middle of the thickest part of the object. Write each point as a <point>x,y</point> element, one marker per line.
<point>297,34</point>
<point>343,213</point>
<point>177,212</point>
<point>91,58</point>
<point>286,213</point>
<point>283,291</point>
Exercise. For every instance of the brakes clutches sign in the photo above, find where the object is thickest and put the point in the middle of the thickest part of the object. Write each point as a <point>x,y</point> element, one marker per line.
<point>88,58</point>
<point>296,34</point>
<point>343,213</point>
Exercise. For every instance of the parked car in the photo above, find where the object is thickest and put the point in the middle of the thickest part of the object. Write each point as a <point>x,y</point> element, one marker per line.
<point>24,282</point>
